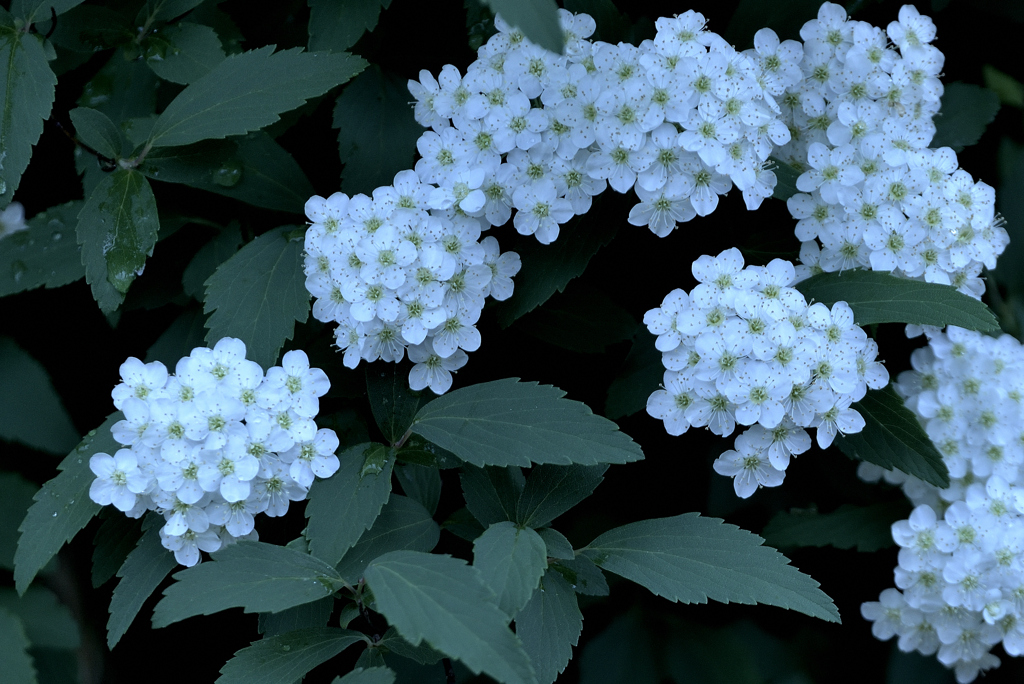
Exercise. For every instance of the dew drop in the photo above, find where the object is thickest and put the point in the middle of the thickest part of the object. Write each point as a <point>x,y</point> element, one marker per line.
<point>228,174</point>
<point>286,648</point>
<point>56,236</point>
<point>18,269</point>
<point>55,514</point>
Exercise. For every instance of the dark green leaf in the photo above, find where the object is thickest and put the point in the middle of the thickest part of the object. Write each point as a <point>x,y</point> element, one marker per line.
<point>370,658</point>
<point>374,675</point>
<point>211,255</point>
<point>553,490</point>
<point>303,616</point>
<point>785,18</point>
<point>537,19</point>
<point>421,452</point>
<point>95,129</point>
<point>186,53</point>
<point>46,254</point>
<point>785,176</point>
<point>583,575</point>
<point>344,505</point>
<point>892,438</point>
<point>377,132</point>
<point>583,320</point>
<point>123,89</point>
<point>1009,90</point>
<point>114,540</point>
<point>40,10</point>
<point>165,10</point>
<point>463,524</point>
<point>443,601</point>
<point>26,96</point>
<point>62,507</point>
<point>258,294</point>
<point>877,297</point>
<point>142,572</point>
<point>248,91</point>
<point>549,626</point>
<point>622,652</point>
<point>868,528</point>
<point>255,576</point>
<point>393,404</point>
<point>403,524</point>
<point>48,622</point>
<point>1010,203</point>
<point>421,483</point>
<point>507,422</point>
<point>492,493</point>
<point>641,374</point>
<point>511,560</point>
<point>15,662</point>
<point>336,25</point>
<point>691,559</point>
<point>13,504</point>
<point>422,654</point>
<point>287,657</point>
<point>547,269</point>
<point>966,110</point>
<point>117,229</point>
<point>181,337</point>
<point>556,544</point>
<point>31,411</point>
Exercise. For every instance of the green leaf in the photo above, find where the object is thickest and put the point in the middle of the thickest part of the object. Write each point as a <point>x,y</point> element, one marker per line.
<point>48,622</point>
<point>13,504</point>
<point>115,539</point>
<point>15,662</point>
<point>785,180</point>
<point>785,18</point>
<point>624,651</point>
<point>255,576</point>
<point>537,19</point>
<point>377,132</point>
<point>582,320</point>
<point>141,573</point>
<point>893,438</point>
<point>336,25</point>
<point>549,626</point>
<point>868,528</point>
<point>547,269</point>
<point>421,452</point>
<point>31,411</point>
<point>258,294</point>
<point>421,483</point>
<point>393,404</point>
<point>1009,89</point>
<point>26,96</point>
<point>187,52</point>
<point>583,575</point>
<point>248,91</point>
<point>689,558</point>
<point>641,374</point>
<point>372,675</point>
<point>62,507</point>
<point>507,422</point>
<point>165,10</point>
<point>966,111</point>
<point>95,129</point>
<point>492,493</point>
<point>211,255</point>
<point>403,524</point>
<point>463,524</point>
<point>124,88</point>
<point>370,658</point>
<point>552,490</point>
<point>422,654</point>
<point>511,560</point>
<point>287,657</point>
<point>117,229</point>
<point>556,544</point>
<point>344,505</point>
<point>40,10</point>
<point>443,601</point>
<point>302,616</point>
<point>46,254</point>
<point>877,297</point>
<point>181,337</point>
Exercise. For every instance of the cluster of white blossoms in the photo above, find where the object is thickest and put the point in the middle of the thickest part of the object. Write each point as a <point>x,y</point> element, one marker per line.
<point>960,576</point>
<point>872,192</point>
<point>214,444</point>
<point>744,347</point>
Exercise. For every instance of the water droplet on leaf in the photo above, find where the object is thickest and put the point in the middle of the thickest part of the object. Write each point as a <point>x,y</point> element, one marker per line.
<point>229,173</point>
<point>18,269</point>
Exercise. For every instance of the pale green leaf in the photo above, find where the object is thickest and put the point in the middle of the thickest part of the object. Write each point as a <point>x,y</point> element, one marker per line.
<point>15,662</point>
<point>492,493</point>
<point>187,52</point>
<point>511,560</point>
<point>549,626</point>
<point>31,411</point>
<point>420,483</point>
<point>336,25</point>
<point>302,616</point>
<point>141,573</point>
<point>117,229</point>
<point>26,96</point>
<point>48,622</point>
<point>866,528</point>
<point>893,438</point>
<point>373,675</point>
<point>403,524</point>
<point>345,505</point>
<point>255,576</point>
<point>966,111</point>
<point>580,319</point>
<point>393,404</point>
<point>211,255</point>
<point>13,504</point>
<point>690,559</point>
<point>552,490</point>
<point>641,375</point>
<point>248,91</point>
<point>46,254</point>
<point>287,657</point>
<point>443,601</point>
<point>62,507</point>
<point>40,10</point>
<point>537,19</point>
<point>877,297</point>
<point>507,422</point>
<point>95,129</point>
<point>556,544</point>
<point>258,294</point>
<point>115,539</point>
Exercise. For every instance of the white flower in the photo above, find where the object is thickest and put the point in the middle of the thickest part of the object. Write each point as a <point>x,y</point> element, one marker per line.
<point>118,479</point>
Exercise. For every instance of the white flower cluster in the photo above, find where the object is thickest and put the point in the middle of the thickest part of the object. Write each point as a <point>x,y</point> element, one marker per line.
<point>877,196</point>
<point>214,444</point>
<point>744,347</point>
<point>961,560</point>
